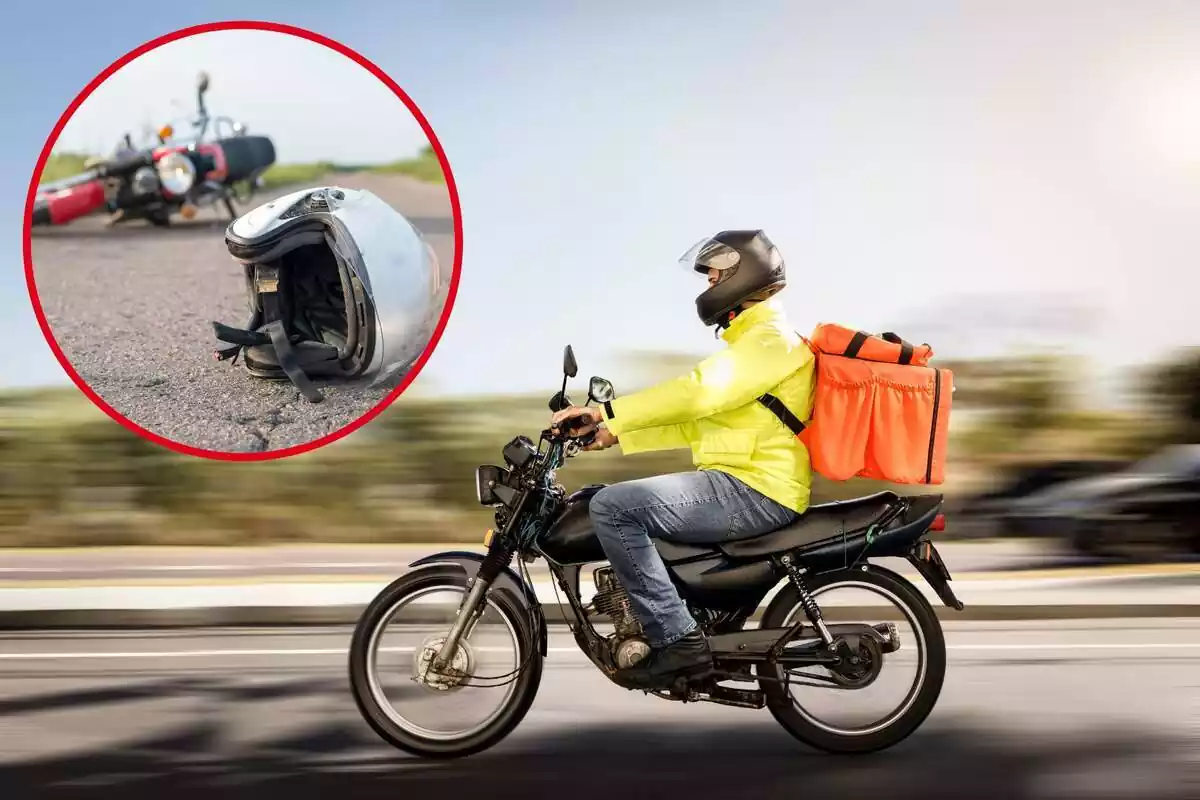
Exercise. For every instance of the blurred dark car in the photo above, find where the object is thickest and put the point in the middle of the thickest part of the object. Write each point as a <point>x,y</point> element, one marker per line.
<point>1149,507</point>
<point>986,514</point>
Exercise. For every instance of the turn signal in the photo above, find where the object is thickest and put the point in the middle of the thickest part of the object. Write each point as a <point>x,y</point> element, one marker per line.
<point>939,523</point>
<point>188,211</point>
<point>166,132</point>
<point>487,538</point>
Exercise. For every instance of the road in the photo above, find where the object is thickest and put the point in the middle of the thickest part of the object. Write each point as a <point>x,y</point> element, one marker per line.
<point>117,563</point>
<point>132,307</point>
<point>1028,711</point>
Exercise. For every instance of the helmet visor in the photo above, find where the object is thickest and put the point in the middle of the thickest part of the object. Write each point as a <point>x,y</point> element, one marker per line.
<point>708,254</point>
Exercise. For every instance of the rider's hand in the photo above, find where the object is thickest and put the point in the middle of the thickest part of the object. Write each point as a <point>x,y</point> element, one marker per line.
<point>604,439</point>
<point>592,415</point>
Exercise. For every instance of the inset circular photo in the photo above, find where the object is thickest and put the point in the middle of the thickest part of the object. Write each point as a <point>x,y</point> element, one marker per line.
<point>242,240</point>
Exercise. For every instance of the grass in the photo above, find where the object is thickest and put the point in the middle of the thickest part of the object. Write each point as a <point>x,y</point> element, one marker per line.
<point>424,167</point>
<point>63,165</point>
<point>288,174</point>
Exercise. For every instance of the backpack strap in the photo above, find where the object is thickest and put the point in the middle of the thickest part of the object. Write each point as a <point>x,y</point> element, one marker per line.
<point>906,348</point>
<point>776,407</point>
<point>856,343</point>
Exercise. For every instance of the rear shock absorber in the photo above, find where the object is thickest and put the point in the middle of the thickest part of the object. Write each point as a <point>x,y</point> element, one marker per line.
<point>811,609</point>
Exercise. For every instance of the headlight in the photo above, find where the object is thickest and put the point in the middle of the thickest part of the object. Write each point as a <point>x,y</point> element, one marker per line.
<point>492,486</point>
<point>144,181</point>
<point>176,173</point>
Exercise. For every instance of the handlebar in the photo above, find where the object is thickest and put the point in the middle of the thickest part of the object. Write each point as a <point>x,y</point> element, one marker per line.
<point>574,422</point>
<point>124,165</point>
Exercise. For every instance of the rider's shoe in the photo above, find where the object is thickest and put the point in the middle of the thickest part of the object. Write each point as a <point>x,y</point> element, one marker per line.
<point>689,657</point>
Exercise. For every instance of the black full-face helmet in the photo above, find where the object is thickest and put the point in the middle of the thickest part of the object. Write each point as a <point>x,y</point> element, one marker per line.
<point>751,268</point>
<point>339,285</point>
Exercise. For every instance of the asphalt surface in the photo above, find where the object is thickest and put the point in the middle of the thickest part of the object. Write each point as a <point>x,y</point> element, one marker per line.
<point>1060,710</point>
<point>132,306</point>
<point>107,564</point>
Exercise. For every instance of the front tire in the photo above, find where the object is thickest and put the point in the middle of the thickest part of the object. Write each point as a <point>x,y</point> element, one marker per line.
<point>779,701</point>
<point>361,648</point>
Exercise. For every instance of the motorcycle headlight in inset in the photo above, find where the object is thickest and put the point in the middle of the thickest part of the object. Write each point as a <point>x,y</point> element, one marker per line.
<point>176,173</point>
<point>144,181</point>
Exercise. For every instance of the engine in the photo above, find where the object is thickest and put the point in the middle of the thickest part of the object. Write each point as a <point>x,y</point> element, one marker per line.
<point>628,641</point>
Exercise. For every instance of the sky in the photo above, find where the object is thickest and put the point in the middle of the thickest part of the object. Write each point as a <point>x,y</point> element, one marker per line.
<point>981,176</point>
<point>339,111</point>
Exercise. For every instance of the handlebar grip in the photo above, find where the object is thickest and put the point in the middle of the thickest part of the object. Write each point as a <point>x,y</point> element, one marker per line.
<point>125,165</point>
<point>575,422</point>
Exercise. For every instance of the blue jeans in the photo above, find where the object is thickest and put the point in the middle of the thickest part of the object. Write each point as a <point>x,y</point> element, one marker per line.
<point>702,507</point>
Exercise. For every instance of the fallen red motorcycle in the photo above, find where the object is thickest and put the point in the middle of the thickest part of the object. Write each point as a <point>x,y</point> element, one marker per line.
<point>153,183</point>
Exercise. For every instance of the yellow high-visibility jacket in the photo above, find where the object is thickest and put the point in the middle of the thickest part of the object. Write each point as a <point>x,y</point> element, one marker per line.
<point>714,409</point>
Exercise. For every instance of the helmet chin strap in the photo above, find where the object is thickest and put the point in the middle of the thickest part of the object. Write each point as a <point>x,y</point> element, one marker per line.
<point>723,324</point>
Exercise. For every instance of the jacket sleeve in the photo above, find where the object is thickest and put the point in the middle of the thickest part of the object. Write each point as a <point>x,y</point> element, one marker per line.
<point>728,379</point>
<point>665,437</point>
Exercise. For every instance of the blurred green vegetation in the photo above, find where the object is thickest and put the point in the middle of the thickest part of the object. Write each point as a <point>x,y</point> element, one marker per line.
<point>72,476</point>
<point>63,165</point>
<point>290,174</point>
<point>424,166</point>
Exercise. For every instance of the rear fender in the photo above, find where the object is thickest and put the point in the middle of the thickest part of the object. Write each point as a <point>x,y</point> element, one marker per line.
<point>928,562</point>
<point>507,581</point>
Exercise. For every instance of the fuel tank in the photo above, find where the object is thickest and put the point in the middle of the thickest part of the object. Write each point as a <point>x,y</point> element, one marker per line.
<point>702,573</point>
<point>571,539</point>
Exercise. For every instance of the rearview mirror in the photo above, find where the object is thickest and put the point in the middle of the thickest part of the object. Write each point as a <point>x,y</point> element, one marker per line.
<point>202,82</point>
<point>601,391</point>
<point>570,368</point>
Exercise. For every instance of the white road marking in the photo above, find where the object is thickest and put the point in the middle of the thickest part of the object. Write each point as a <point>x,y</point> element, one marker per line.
<point>265,568</point>
<point>334,651</point>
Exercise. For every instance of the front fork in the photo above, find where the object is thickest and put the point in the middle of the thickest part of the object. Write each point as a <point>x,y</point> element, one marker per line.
<point>472,606</point>
<point>468,614</point>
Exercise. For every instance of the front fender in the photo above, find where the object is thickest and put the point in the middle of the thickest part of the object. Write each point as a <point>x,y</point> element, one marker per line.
<point>508,580</point>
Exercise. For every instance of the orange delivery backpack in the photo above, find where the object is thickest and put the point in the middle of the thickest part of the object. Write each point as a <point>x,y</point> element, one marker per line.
<point>879,410</point>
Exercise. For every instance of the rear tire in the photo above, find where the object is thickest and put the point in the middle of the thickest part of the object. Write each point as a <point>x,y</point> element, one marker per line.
<point>360,661</point>
<point>779,700</point>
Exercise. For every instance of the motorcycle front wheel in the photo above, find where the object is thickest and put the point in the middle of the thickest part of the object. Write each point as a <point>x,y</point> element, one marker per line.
<point>921,651</point>
<point>443,713</point>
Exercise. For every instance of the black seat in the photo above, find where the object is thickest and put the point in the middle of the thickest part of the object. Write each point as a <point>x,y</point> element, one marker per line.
<point>817,523</point>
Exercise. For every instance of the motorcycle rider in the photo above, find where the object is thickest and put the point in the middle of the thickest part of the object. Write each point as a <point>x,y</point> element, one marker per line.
<point>753,475</point>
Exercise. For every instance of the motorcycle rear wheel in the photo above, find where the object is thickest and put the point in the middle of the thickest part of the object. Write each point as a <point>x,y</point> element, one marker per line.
<point>784,609</point>
<point>498,727</point>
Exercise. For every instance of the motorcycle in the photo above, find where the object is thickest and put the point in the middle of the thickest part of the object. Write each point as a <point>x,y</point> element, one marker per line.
<point>832,546</point>
<point>172,176</point>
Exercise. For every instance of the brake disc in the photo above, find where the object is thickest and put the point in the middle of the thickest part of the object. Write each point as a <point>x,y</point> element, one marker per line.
<point>453,676</point>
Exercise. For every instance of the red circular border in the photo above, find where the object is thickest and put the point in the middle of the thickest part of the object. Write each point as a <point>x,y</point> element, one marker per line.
<point>27,242</point>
